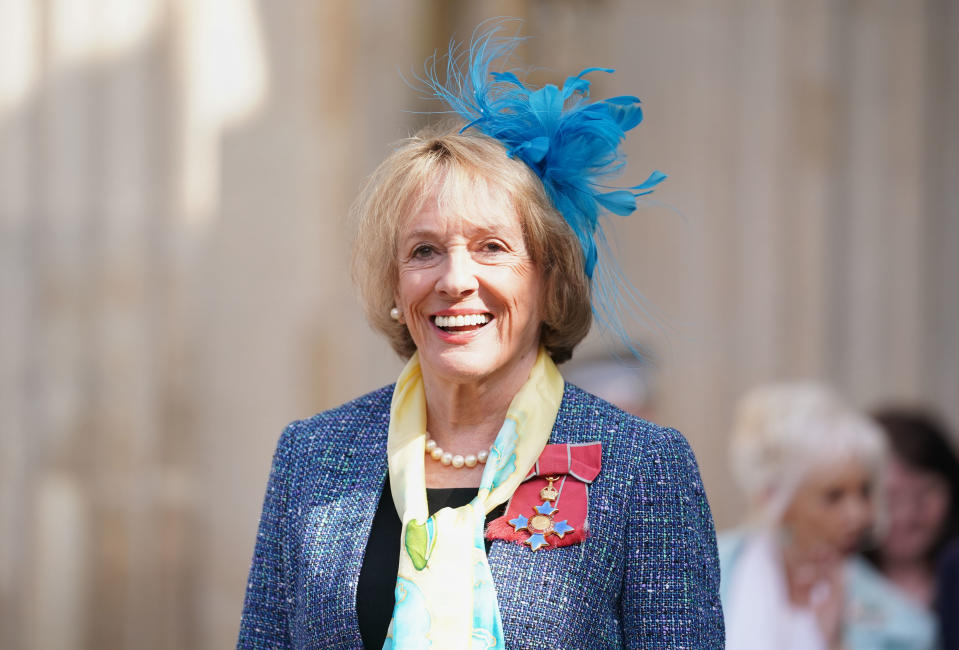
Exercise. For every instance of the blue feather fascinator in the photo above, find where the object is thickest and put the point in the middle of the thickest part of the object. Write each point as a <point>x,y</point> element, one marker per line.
<point>570,141</point>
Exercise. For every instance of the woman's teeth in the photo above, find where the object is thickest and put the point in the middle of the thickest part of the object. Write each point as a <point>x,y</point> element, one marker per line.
<point>470,320</point>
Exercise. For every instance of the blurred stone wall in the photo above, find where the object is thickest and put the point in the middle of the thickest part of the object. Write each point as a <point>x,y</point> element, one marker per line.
<point>174,184</point>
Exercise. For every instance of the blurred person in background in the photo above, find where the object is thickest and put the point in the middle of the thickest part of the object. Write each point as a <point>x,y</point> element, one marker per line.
<point>482,501</point>
<point>617,379</point>
<point>922,498</point>
<point>810,467</point>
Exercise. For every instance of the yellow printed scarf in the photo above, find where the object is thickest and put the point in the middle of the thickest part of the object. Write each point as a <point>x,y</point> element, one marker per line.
<point>445,596</point>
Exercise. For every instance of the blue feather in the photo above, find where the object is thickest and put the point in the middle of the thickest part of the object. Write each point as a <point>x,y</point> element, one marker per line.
<point>533,150</point>
<point>621,202</point>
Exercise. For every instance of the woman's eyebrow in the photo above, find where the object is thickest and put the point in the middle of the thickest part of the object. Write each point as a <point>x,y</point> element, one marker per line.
<point>474,231</point>
<point>496,226</point>
<point>419,233</point>
<point>486,230</point>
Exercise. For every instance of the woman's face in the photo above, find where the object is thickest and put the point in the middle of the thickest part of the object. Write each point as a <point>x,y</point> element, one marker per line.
<point>918,502</point>
<point>470,264</point>
<point>832,509</point>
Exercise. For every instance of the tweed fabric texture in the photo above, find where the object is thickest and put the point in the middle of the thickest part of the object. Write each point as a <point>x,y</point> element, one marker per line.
<point>646,577</point>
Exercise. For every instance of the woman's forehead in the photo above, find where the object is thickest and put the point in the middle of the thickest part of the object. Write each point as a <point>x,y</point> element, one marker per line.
<point>473,201</point>
<point>843,468</point>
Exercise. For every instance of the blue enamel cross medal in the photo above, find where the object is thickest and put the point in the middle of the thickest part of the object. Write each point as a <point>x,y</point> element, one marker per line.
<point>542,523</point>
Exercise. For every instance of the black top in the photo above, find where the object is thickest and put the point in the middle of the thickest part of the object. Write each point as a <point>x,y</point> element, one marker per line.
<point>948,597</point>
<point>374,592</point>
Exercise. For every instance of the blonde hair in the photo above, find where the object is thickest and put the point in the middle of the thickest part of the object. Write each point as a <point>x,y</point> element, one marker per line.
<point>782,432</point>
<point>403,182</point>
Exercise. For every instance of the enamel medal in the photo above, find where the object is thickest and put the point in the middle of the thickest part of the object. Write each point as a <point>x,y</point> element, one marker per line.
<point>542,522</point>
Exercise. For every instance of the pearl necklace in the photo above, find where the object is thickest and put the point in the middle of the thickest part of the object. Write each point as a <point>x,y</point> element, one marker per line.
<point>457,460</point>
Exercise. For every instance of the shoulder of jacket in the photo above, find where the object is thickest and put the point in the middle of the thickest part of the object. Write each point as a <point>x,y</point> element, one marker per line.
<point>369,414</point>
<point>584,417</point>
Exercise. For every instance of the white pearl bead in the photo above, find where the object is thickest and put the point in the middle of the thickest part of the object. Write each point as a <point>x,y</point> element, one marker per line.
<point>458,460</point>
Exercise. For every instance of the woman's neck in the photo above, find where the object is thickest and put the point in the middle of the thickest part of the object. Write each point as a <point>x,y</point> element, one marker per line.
<point>464,418</point>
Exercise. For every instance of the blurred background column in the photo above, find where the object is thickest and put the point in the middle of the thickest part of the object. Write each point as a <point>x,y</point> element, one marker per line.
<point>92,473</point>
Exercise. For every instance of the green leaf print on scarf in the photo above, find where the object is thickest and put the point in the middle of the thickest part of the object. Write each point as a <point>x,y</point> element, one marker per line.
<point>420,541</point>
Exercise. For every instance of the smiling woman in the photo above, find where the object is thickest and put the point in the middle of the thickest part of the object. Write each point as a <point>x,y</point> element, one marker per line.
<point>466,268</point>
<point>481,501</point>
<point>467,176</point>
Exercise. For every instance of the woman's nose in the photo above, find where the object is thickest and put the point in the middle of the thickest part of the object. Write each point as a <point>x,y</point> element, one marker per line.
<point>457,275</point>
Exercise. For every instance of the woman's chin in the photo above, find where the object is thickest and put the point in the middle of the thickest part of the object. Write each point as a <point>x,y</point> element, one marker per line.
<point>462,363</point>
<point>475,362</point>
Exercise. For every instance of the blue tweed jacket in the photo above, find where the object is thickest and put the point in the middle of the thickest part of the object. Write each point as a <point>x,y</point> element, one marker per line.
<point>647,577</point>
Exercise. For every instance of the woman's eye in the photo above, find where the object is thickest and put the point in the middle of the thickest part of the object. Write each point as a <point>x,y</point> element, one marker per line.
<point>422,252</point>
<point>833,496</point>
<point>493,247</point>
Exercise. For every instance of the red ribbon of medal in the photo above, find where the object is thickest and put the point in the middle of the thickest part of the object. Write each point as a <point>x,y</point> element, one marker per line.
<point>550,507</point>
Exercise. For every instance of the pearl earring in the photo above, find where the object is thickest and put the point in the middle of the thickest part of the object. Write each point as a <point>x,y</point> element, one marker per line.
<point>395,313</point>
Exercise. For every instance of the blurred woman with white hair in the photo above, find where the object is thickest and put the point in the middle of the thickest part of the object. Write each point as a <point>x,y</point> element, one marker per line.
<point>809,465</point>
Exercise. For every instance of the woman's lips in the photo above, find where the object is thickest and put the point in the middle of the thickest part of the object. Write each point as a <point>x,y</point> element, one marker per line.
<point>461,322</point>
